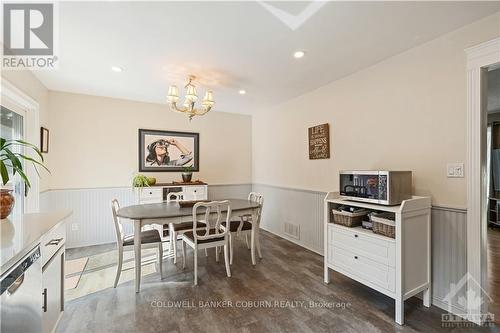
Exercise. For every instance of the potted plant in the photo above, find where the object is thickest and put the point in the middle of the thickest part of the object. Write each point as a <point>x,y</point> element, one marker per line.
<point>140,181</point>
<point>187,174</point>
<point>11,163</point>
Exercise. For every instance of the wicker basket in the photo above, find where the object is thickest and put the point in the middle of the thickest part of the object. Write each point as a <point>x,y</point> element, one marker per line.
<point>348,219</point>
<point>384,224</point>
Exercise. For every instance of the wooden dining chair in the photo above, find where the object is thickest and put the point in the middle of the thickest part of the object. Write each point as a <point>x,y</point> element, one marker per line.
<point>177,229</point>
<point>207,237</point>
<point>243,227</point>
<point>151,237</point>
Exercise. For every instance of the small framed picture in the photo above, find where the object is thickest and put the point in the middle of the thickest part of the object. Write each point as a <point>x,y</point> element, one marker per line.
<point>168,151</point>
<point>44,140</point>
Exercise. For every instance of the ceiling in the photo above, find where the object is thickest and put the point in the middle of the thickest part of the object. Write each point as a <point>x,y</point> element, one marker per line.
<point>237,45</point>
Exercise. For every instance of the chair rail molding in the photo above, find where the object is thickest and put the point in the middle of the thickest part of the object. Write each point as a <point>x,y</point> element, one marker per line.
<point>479,57</point>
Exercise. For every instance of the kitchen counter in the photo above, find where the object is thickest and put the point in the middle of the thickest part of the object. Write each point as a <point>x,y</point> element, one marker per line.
<point>20,234</point>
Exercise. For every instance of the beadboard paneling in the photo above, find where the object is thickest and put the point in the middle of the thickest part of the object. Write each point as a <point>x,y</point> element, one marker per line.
<point>302,208</point>
<point>449,253</point>
<point>237,191</point>
<point>92,212</point>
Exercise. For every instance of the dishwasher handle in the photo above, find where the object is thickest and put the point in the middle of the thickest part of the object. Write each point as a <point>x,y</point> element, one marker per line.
<point>13,287</point>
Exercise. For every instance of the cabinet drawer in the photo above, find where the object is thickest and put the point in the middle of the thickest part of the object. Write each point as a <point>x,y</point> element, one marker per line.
<point>195,193</point>
<point>151,195</point>
<point>379,274</point>
<point>52,241</point>
<point>368,245</point>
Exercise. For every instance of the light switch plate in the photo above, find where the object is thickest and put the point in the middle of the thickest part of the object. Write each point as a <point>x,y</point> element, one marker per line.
<point>455,170</point>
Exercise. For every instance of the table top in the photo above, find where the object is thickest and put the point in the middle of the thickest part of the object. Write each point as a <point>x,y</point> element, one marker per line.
<point>172,209</point>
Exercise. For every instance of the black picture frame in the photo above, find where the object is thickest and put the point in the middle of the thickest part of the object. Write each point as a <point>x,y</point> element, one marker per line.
<point>147,137</point>
<point>44,140</point>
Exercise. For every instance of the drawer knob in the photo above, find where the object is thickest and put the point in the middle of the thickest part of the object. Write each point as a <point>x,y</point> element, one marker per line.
<point>355,257</point>
<point>150,192</point>
<point>356,236</point>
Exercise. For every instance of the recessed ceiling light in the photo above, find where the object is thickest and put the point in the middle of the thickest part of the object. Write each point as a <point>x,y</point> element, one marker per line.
<point>299,54</point>
<point>242,92</point>
<point>116,69</point>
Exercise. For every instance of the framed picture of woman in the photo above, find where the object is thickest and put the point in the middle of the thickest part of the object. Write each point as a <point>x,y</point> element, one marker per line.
<point>168,151</point>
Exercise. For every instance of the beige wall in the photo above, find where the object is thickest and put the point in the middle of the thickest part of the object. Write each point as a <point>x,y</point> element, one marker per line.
<point>94,141</point>
<point>407,112</point>
<point>31,86</point>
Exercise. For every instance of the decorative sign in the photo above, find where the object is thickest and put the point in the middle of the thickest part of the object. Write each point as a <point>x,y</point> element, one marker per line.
<point>319,142</point>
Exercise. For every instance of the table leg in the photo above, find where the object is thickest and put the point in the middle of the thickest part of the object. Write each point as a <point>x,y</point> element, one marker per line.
<point>252,237</point>
<point>137,250</point>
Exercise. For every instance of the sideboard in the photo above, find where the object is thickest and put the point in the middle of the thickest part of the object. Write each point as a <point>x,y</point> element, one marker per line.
<point>158,193</point>
<point>398,267</point>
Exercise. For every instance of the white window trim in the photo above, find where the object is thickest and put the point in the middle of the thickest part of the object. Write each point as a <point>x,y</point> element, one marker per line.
<point>32,135</point>
<point>478,59</point>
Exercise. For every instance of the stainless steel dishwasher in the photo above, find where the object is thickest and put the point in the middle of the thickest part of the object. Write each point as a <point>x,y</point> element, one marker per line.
<point>21,299</point>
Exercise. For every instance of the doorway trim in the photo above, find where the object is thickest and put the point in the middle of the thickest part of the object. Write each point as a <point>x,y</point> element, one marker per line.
<point>18,98</point>
<point>479,57</point>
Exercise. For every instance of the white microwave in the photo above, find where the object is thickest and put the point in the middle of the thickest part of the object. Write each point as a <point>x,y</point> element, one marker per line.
<point>379,187</point>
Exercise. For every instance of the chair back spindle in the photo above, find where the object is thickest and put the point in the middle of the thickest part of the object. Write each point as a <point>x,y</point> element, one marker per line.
<point>115,206</point>
<point>175,196</point>
<point>214,207</point>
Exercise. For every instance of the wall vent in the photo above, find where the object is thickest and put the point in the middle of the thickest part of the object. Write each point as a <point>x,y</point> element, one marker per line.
<point>292,230</point>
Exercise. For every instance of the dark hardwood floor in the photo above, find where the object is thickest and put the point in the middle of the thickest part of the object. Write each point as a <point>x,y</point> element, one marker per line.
<point>494,271</point>
<point>264,298</point>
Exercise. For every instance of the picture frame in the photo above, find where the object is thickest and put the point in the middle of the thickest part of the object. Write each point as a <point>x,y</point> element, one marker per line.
<point>44,140</point>
<point>168,151</point>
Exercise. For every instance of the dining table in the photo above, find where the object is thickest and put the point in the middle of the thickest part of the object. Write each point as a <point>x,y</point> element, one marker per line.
<point>172,212</point>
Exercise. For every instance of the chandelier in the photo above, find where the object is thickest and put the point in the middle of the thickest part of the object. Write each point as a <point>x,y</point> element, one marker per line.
<point>190,99</point>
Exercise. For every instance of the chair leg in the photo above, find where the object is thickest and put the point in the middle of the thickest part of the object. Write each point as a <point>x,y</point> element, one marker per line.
<point>174,237</point>
<point>217,254</point>
<point>195,266</point>
<point>170,232</point>
<point>246,241</point>
<point>119,267</point>
<point>226,260</point>
<point>257,235</point>
<point>252,246</point>
<point>183,254</point>
<point>160,259</point>
<point>206,253</point>
<point>230,249</point>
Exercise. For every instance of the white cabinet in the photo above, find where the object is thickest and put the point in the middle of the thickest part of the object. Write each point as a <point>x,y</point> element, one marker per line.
<point>398,267</point>
<point>157,193</point>
<point>52,249</point>
<point>53,291</point>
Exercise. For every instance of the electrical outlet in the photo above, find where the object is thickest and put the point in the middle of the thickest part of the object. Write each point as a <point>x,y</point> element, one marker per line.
<point>455,170</point>
<point>74,227</point>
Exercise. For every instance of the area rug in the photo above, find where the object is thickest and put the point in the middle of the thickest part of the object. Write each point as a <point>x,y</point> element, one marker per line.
<point>73,270</point>
<point>100,271</point>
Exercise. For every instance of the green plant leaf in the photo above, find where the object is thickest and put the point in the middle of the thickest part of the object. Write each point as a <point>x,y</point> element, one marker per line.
<point>33,161</point>
<point>4,172</point>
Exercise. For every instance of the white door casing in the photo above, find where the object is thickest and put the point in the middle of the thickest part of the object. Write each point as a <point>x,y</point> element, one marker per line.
<point>478,59</point>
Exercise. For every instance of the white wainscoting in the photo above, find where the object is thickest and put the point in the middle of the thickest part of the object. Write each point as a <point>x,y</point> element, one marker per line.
<point>300,208</point>
<point>305,209</point>
<point>91,222</point>
<point>449,255</point>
